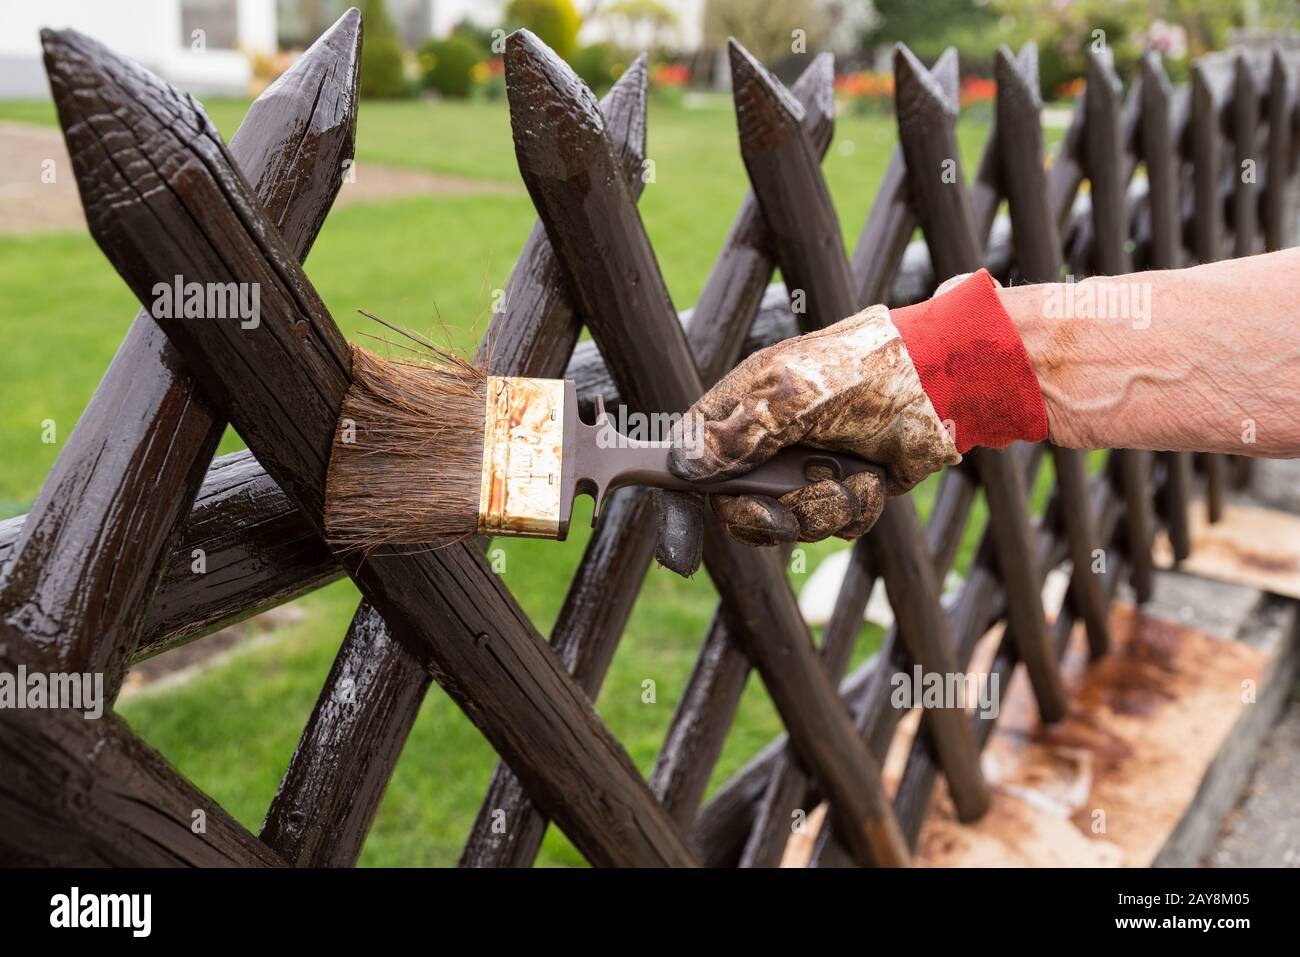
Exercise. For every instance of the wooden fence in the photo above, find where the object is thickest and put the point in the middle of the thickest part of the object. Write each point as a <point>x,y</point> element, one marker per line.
<point>98,576</point>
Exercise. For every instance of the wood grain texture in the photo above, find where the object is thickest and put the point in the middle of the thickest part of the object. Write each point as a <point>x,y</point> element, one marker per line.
<point>1210,97</point>
<point>806,238</point>
<point>568,167</point>
<point>534,335</point>
<point>1158,146</point>
<point>94,547</point>
<point>927,131</point>
<point>1277,202</point>
<point>161,204</point>
<point>1038,257</point>
<point>612,567</point>
<point>331,790</point>
<point>1109,168</point>
<point>727,306</point>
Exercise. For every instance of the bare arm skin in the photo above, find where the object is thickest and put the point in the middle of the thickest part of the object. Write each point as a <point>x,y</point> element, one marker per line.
<point>1205,359</point>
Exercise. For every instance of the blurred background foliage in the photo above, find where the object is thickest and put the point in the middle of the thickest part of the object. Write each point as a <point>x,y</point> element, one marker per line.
<point>465,63</point>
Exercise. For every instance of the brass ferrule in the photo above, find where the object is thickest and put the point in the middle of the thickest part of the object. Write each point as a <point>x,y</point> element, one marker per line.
<point>523,454</point>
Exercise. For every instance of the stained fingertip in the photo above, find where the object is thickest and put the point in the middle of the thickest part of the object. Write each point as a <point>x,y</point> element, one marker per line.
<point>755,519</point>
<point>822,509</point>
<point>870,493</point>
<point>680,516</point>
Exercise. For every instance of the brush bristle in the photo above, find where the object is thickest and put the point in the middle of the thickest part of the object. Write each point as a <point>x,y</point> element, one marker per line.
<point>408,454</point>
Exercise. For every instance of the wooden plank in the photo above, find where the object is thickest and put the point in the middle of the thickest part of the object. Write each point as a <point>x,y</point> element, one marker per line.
<point>94,547</point>
<point>1106,164</point>
<point>330,792</point>
<point>1164,177</point>
<point>1277,185</point>
<point>567,165</point>
<point>78,792</point>
<point>256,552</point>
<point>1209,96</point>
<point>806,238</point>
<point>709,701</point>
<point>1248,165</point>
<point>613,566</point>
<point>281,384</point>
<point>927,130</point>
<point>1038,256</point>
<point>259,552</point>
<point>534,335</point>
<point>536,328</point>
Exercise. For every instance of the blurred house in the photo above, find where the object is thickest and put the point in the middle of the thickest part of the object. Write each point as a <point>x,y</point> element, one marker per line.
<point>204,46</point>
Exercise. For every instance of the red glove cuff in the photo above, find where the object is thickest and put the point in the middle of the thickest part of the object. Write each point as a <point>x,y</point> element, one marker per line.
<point>973,365</point>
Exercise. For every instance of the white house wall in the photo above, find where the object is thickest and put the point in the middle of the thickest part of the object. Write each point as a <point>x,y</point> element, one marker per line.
<point>145,30</point>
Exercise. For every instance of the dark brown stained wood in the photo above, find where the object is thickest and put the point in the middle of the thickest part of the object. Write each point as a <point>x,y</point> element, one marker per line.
<point>1209,99</point>
<point>709,701</point>
<point>878,255</point>
<point>260,552</point>
<point>1065,175</point>
<point>806,238</point>
<point>535,330</point>
<point>1106,164</point>
<point>1245,138</point>
<point>281,384</point>
<point>94,547</point>
<point>1277,184</point>
<point>926,125</point>
<point>1038,256</point>
<point>534,334</point>
<point>585,637</point>
<point>1130,117</point>
<point>78,792</point>
<point>1164,174</point>
<point>989,188</point>
<point>566,162</point>
<point>723,824</point>
<point>257,552</point>
<point>981,604</point>
<point>614,564</point>
<point>1245,174</point>
<point>324,806</point>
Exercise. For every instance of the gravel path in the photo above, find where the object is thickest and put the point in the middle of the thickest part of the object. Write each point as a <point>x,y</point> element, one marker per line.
<point>1264,830</point>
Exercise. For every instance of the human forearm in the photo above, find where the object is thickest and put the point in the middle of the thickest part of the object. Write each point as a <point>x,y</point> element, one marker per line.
<point>1198,359</point>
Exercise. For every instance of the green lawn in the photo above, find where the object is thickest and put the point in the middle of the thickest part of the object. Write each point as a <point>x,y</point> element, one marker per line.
<point>233,730</point>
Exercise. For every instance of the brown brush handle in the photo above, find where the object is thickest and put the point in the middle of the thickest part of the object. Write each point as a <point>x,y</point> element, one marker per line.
<point>598,460</point>
<point>784,472</point>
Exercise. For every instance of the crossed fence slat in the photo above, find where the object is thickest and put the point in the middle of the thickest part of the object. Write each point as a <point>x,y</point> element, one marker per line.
<point>806,237</point>
<point>281,385</point>
<point>1158,143</point>
<point>618,555</point>
<point>486,654</point>
<point>626,305</point>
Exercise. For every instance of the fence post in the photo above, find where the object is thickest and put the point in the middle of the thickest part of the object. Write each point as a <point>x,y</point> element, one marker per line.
<point>282,384</point>
<point>585,208</point>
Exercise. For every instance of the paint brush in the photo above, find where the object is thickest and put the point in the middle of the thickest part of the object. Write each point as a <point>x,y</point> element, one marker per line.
<point>435,451</point>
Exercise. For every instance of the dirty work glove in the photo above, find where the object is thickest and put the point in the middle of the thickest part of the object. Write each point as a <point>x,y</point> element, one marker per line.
<point>909,390</point>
